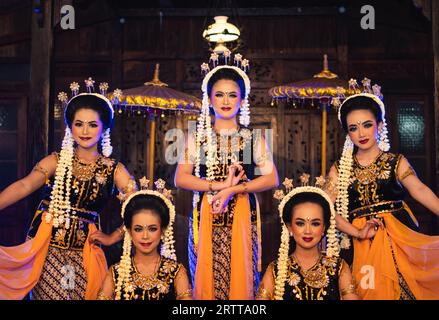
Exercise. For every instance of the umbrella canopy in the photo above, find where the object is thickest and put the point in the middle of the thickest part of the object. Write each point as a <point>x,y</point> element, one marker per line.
<point>325,87</point>
<point>156,95</point>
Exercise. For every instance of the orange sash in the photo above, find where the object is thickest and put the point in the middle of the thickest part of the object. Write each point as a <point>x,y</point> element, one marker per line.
<point>241,277</point>
<point>95,266</point>
<point>21,266</point>
<point>416,255</point>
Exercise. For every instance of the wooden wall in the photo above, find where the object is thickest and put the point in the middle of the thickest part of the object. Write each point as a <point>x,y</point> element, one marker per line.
<point>283,45</point>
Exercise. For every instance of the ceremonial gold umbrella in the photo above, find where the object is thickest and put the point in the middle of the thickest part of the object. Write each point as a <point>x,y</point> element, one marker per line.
<point>324,88</point>
<point>158,96</point>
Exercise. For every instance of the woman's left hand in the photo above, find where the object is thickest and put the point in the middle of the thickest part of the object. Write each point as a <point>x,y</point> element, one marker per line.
<point>221,199</point>
<point>98,237</point>
<point>371,228</point>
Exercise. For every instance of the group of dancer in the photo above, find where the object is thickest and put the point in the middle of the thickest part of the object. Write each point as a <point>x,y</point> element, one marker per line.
<point>351,236</point>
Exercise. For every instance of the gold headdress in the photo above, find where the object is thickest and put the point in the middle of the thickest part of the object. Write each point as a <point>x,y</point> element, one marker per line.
<point>332,246</point>
<point>167,249</point>
<point>89,85</point>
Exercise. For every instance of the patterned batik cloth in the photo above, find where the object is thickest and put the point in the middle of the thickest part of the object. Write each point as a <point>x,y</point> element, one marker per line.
<point>63,276</point>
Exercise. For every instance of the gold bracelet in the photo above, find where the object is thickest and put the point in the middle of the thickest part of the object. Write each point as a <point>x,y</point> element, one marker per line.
<point>101,296</point>
<point>210,186</point>
<point>264,294</point>
<point>350,289</point>
<point>184,294</point>
<point>245,186</point>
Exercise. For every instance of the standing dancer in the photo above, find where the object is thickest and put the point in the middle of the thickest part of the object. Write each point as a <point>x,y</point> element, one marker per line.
<point>61,259</point>
<point>399,263</point>
<point>219,166</point>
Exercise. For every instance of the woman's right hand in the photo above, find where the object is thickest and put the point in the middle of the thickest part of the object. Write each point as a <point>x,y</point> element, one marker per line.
<point>232,179</point>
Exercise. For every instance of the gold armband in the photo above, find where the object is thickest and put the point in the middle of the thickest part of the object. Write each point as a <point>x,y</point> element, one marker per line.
<point>407,173</point>
<point>40,169</point>
<point>262,158</point>
<point>331,186</point>
<point>129,188</point>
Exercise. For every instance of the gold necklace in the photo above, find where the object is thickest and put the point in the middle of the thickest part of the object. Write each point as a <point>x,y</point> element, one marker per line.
<point>147,282</point>
<point>315,276</point>
<point>84,171</point>
<point>371,163</point>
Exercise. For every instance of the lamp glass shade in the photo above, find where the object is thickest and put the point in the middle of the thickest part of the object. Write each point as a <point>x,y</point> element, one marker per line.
<point>221,31</point>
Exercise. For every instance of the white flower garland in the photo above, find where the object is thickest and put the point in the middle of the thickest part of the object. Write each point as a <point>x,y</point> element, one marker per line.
<point>332,249</point>
<point>107,149</point>
<point>282,264</point>
<point>124,281</point>
<point>343,181</point>
<point>60,207</point>
<point>384,143</point>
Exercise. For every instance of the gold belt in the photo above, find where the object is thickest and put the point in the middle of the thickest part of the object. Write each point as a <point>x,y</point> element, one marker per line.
<point>377,208</point>
<point>80,214</point>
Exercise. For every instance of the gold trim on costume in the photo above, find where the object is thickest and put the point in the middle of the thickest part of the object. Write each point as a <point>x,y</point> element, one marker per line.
<point>407,173</point>
<point>377,208</point>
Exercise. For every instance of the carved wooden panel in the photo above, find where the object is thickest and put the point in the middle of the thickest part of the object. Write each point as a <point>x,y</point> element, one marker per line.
<point>303,132</point>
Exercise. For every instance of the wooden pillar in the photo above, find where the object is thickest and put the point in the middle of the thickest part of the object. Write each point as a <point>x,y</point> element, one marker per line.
<point>40,61</point>
<point>435,35</point>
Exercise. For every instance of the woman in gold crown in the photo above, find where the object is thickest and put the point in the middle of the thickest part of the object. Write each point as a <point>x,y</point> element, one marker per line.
<point>61,259</point>
<point>399,262</point>
<point>303,271</point>
<point>220,165</point>
<point>150,274</point>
